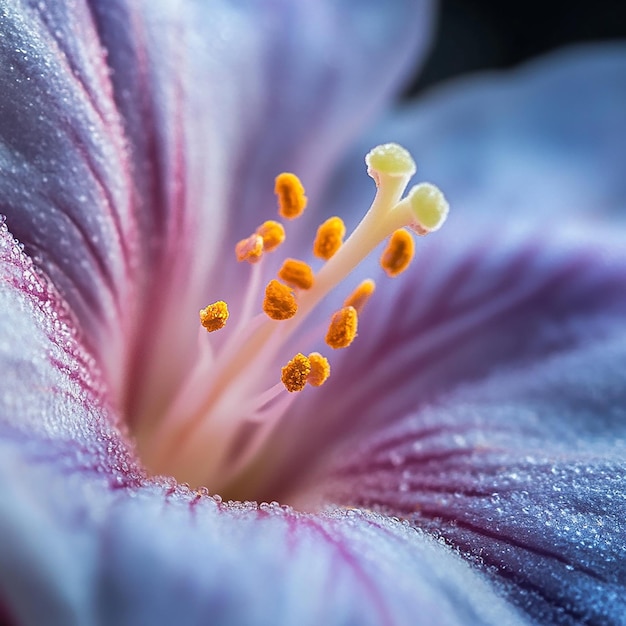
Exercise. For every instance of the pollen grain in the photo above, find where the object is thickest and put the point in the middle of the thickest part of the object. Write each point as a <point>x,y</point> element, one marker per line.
<point>343,327</point>
<point>361,295</point>
<point>250,249</point>
<point>296,274</point>
<point>329,238</point>
<point>279,302</point>
<point>320,369</point>
<point>294,375</point>
<point>291,197</point>
<point>214,316</point>
<point>273,234</point>
<point>398,253</point>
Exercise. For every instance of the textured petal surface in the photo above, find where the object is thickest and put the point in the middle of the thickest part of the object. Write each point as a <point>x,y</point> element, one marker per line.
<point>252,90</point>
<point>64,183</point>
<point>86,539</point>
<point>127,128</point>
<point>499,372</point>
<point>524,473</point>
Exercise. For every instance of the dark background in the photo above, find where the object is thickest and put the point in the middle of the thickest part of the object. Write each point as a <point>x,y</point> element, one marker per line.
<point>479,34</point>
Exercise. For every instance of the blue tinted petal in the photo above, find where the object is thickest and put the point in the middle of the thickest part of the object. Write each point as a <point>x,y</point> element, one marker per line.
<point>544,140</point>
<point>87,539</point>
<point>470,307</point>
<point>513,450</point>
<point>524,473</point>
<point>499,378</point>
<point>64,175</point>
<point>147,556</point>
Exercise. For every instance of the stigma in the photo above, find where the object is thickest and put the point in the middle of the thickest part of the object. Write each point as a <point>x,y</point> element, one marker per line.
<point>246,382</point>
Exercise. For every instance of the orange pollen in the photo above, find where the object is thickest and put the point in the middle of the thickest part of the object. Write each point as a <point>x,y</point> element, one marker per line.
<point>214,316</point>
<point>343,327</point>
<point>295,374</point>
<point>279,302</point>
<point>329,238</point>
<point>273,234</point>
<point>291,198</point>
<point>296,274</point>
<point>320,369</point>
<point>398,253</point>
<point>361,295</point>
<point>250,249</point>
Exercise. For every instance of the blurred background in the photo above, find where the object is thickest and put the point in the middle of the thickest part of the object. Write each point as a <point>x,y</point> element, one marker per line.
<point>482,34</point>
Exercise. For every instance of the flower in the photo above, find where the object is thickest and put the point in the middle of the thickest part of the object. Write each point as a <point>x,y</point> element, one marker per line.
<point>464,463</point>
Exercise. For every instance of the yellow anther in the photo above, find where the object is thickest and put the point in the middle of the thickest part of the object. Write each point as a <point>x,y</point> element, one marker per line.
<point>291,198</point>
<point>250,249</point>
<point>279,302</point>
<point>398,253</point>
<point>361,295</point>
<point>273,234</point>
<point>329,238</point>
<point>343,327</point>
<point>214,316</point>
<point>294,375</point>
<point>320,369</point>
<point>296,274</point>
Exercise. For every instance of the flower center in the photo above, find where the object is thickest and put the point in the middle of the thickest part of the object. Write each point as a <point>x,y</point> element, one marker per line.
<point>240,389</point>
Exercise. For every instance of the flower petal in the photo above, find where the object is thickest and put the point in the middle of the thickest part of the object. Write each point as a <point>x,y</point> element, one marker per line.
<point>506,431</point>
<point>499,376</point>
<point>87,536</point>
<point>64,179</point>
<point>147,557</point>
<point>216,102</point>
<point>542,141</point>
<point>124,141</point>
<point>477,305</point>
<point>524,473</point>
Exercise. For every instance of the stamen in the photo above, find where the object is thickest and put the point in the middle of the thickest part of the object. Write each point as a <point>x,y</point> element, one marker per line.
<point>343,327</point>
<point>398,253</point>
<point>216,427</point>
<point>361,295</point>
<point>296,274</point>
<point>273,234</point>
<point>291,198</point>
<point>320,369</point>
<point>279,302</point>
<point>294,375</point>
<point>250,249</point>
<point>329,238</point>
<point>214,316</point>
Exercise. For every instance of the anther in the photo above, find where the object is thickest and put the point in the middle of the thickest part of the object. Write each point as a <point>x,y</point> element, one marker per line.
<point>273,234</point>
<point>398,253</point>
<point>320,370</point>
<point>214,316</point>
<point>329,238</point>
<point>296,274</point>
<point>291,197</point>
<point>250,249</point>
<point>343,327</point>
<point>294,375</point>
<point>279,302</point>
<point>361,295</point>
